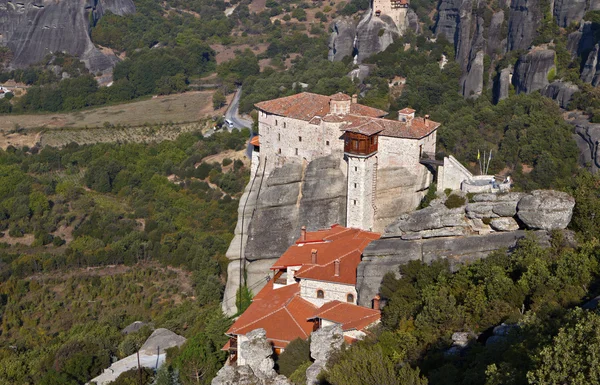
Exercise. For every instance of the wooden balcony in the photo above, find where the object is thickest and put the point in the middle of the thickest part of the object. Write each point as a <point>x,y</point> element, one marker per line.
<point>359,144</point>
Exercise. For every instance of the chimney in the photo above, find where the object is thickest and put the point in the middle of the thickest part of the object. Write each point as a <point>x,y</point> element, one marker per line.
<point>336,265</point>
<point>354,98</point>
<point>376,300</point>
<point>314,256</point>
<point>303,234</point>
<point>426,118</point>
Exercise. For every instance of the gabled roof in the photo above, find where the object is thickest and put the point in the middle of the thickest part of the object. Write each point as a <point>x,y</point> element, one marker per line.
<point>417,128</point>
<point>336,243</point>
<point>281,312</point>
<point>306,105</point>
<point>349,316</point>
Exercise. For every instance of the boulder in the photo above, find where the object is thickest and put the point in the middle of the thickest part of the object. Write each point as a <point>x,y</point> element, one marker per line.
<point>504,224</point>
<point>258,368</point>
<point>323,343</point>
<point>533,69</point>
<point>561,92</point>
<point>546,209</point>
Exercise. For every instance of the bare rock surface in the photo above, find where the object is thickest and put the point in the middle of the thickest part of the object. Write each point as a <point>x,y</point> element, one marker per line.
<point>546,209</point>
<point>258,369</point>
<point>504,224</point>
<point>532,70</point>
<point>33,29</point>
<point>561,92</point>
<point>323,343</point>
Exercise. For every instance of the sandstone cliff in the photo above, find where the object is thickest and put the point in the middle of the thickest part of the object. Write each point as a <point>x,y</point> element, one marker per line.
<point>33,29</point>
<point>533,70</point>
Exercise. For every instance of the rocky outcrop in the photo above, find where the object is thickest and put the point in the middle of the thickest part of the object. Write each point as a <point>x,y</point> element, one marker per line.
<point>373,35</point>
<point>569,11</point>
<point>388,254</point>
<point>591,70</point>
<point>33,29</point>
<point>323,343</point>
<point>546,209</point>
<point>259,365</point>
<point>587,137</point>
<point>472,80</point>
<point>524,20</point>
<point>489,222</point>
<point>581,41</point>
<point>454,22</point>
<point>502,84</point>
<point>533,69</point>
<point>561,92</point>
<point>272,211</point>
<point>341,40</point>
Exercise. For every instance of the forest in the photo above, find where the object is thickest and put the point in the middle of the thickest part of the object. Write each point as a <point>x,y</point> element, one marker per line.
<point>130,207</point>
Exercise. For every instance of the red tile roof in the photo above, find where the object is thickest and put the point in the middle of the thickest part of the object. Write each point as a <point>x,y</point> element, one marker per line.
<point>417,128</point>
<point>337,243</point>
<point>349,316</point>
<point>340,96</point>
<point>406,111</point>
<point>281,312</point>
<point>306,105</point>
<point>255,141</point>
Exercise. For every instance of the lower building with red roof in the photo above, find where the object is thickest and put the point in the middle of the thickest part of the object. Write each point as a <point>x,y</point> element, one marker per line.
<point>313,285</point>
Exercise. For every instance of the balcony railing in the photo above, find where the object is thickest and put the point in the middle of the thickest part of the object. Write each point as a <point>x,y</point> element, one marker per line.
<point>428,158</point>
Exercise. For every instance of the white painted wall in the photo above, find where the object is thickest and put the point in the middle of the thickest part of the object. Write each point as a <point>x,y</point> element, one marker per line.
<point>333,291</point>
<point>359,207</point>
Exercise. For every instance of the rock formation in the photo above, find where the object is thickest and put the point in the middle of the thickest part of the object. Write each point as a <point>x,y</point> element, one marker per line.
<point>569,11</point>
<point>546,209</point>
<point>341,41</point>
<point>34,29</point>
<point>502,84</point>
<point>561,92</point>
<point>587,136</point>
<point>276,207</point>
<point>533,69</point>
<point>323,343</point>
<point>374,34</point>
<point>591,70</point>
<point>524,20</point>
<point>489,222</point>
<point>258,369</point>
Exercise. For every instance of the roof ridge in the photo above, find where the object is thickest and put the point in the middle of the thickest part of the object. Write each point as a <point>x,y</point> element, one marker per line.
<point>261,318</point>
<point>296,322</point>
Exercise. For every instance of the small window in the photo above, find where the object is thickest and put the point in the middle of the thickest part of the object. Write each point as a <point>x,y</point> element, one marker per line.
<point>283,124</point>
<point>296,151</point>
<point>275,121</point>
<point>279,151</point>
<point>299,139</point>
<point>350,298</point>
<point>320,294</point>
<point>355,185</point>
<point>278,136</point>
<point>355,202</point>
<point>355,168</point>
<point>327,143</point>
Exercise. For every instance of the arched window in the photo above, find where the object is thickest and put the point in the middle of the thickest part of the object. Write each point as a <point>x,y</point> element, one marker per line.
<point>320,294</point>
<point>350,298</point>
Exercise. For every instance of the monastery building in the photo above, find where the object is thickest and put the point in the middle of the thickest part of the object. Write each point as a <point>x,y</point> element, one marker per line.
<point>314,285</point>
<point>306,126</point>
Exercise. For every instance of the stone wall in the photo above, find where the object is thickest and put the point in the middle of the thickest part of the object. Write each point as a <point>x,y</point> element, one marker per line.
<point>398,15</point>
<point>452,174</point>
<point>332,291</point>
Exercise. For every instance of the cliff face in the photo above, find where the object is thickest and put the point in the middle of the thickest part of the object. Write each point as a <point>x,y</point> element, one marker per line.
<point>33,29</point>
<point>276,207</point>
<point>533,70</point>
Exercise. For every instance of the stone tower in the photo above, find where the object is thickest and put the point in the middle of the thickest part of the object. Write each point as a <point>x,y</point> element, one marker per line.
<point>360,150</point>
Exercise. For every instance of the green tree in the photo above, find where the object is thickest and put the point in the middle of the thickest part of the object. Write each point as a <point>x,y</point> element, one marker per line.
<point>218,99</point>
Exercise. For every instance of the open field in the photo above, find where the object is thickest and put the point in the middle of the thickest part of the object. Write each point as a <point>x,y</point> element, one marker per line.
<point>186,107</point>
<point>156,119</point>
